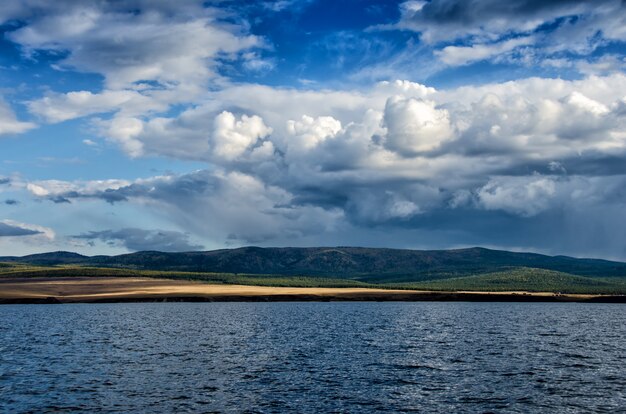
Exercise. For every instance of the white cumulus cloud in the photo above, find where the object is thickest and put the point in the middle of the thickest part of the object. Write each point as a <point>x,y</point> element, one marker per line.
<point>232,137</point>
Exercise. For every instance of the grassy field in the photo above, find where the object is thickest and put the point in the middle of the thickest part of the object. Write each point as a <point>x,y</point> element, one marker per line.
<point>518,279</point>
<point>28,271</point>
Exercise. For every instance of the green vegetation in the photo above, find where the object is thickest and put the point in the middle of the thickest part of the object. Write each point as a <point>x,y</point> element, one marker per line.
<point>527,279</point>
<point>514,279</point>
<point>370,265</point>
<point>28,271</point>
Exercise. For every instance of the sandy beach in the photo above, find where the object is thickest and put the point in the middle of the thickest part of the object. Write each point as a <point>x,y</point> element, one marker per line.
<point>127,289</point>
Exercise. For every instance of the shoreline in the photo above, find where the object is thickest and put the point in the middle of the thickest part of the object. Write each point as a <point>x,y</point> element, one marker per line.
<point>59,290</point>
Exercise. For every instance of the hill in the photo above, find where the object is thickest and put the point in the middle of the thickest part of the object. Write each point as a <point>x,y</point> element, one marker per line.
<point>364,264</point>
<point>527,279</point>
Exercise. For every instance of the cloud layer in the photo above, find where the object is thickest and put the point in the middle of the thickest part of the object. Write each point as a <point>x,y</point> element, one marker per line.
<point>527,162</point>
<point>400,156</point>
<point>144,240</point>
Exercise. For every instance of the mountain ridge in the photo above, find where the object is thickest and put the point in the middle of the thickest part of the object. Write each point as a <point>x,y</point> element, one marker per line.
<point>359,263</point>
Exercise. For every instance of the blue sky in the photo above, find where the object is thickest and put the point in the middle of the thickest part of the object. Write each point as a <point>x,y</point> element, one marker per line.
<point>132,125</point>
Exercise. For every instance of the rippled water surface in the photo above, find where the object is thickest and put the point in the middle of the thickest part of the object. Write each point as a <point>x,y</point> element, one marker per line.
<point>313,357</point>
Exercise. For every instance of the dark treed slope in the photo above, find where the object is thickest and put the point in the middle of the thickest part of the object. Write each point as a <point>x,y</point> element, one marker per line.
<point>367,264</point>
<point>526,279</point>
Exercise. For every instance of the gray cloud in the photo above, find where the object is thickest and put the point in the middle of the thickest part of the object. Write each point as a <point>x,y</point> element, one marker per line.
<point>15,230</point>
<point>561,33</point>
<point>524,212</point>
<point>172,44</point>
<point>11,202</point>
<point>220,205</point>
<point>139,239</point>
<point>449,19</point>
<point>473,12</point>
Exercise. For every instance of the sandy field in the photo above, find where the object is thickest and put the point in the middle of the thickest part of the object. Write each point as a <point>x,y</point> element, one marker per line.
<point>127,289</point>
<point>81,289</point>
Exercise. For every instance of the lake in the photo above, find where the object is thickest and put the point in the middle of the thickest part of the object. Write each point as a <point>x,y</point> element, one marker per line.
<point>313,357</point>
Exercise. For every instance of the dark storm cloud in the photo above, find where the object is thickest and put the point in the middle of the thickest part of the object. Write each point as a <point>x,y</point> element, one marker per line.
<point>139,239</point>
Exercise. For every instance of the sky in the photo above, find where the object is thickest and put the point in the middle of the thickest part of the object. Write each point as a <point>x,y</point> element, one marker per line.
<point>193,125</point>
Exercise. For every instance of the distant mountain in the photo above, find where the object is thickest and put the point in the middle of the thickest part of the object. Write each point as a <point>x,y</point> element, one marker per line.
<point>48,259</point>
<point>366,264</point>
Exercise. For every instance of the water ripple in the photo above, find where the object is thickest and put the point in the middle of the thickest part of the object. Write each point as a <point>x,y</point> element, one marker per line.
<point>313,357</point>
